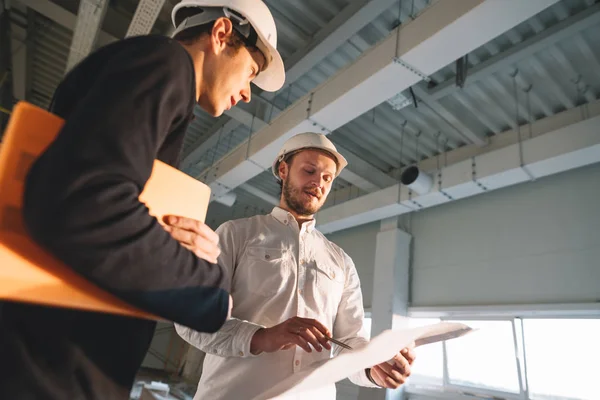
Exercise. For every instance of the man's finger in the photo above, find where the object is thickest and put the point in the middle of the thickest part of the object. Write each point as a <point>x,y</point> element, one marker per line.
<point>206,231</point>
<point>318,329</point>
<point>392,372</point>
<point>192,239</point>
<point>321,338</point>
<point>306,333</point>
<point>192,225</point>
<point>384,379</point>
<point>207,257</point>
<point>182,236</point>
<point>300,341</point>
<point>210,257</point>
<point>409,354</point>
<point>313,322</point>
<point>402,364</point>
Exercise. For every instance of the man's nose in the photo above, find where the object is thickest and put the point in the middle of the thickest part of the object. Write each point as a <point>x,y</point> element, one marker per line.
<point>246,95</point>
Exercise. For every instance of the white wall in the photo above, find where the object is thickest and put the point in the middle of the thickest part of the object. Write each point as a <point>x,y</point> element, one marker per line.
<point>537,242</point>
<point>359,243</point>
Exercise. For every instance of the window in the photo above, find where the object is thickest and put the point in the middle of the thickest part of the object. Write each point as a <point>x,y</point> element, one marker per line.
<point>429,365</point>
<point>512,358</point>
<point>562,358</point>
<point>474,361</point>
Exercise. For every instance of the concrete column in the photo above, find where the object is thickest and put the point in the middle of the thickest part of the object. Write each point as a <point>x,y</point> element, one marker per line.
<point>390,291</point>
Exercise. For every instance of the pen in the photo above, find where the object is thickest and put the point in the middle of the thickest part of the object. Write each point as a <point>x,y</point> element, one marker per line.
<point>341,344</point>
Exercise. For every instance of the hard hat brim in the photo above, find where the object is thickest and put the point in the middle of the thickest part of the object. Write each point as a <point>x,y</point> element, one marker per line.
<point>272,78</point>
<point>341,160</point>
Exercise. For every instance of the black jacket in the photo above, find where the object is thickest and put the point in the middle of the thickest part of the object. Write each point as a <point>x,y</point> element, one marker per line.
<point>124,106</point>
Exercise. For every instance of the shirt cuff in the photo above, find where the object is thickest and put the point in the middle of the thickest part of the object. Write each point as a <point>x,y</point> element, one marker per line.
<point>244,337</point>
<point>361,379</point>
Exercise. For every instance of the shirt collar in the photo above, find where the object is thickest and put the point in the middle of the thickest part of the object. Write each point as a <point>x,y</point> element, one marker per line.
<point>286,217</point>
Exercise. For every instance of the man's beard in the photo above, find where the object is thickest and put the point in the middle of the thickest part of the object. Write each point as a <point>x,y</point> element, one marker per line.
<point>293,198</point>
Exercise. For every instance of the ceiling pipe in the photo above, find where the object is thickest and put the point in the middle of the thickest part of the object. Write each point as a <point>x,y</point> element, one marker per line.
<point>418,181</point>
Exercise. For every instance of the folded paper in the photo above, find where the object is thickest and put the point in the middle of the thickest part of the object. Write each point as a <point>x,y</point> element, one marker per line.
<point>30,274</point>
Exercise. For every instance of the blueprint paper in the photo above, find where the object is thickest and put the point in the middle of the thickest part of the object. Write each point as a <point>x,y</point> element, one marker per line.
<point>380,349</point>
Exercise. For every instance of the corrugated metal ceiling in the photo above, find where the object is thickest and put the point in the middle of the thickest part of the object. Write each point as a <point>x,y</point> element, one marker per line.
<point>557,68</point>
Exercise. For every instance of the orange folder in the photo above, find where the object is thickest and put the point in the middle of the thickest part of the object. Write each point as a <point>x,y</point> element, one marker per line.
<point>30,274</point>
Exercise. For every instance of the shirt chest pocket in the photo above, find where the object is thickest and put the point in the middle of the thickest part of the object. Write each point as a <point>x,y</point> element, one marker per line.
<point>330,279</point>
<point>267,270</point>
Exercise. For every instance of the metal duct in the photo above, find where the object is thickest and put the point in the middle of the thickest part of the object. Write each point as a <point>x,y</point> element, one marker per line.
<point>416,180</point>
<point>570,146</point>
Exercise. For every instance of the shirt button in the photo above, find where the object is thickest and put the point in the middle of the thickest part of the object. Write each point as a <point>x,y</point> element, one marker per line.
<point>300,291</point>
<point>241,353</point>
<point>297,362</point>
<point>333,274</point>
<point>267,256</point>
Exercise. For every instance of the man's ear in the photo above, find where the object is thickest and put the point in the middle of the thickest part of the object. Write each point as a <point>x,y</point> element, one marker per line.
<point>222,29</point>
<point>283,170</point>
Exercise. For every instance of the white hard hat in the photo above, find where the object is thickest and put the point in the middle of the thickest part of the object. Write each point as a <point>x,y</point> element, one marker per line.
<point>308,140</point>
<point>253,20</point>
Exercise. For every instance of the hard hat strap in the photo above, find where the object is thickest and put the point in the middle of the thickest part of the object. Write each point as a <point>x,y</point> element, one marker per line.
<point>210,14</point>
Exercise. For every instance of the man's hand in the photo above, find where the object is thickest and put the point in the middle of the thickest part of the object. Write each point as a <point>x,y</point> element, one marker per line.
<point>195,236</point>
<point>393,376</point>
<point>295,331</point>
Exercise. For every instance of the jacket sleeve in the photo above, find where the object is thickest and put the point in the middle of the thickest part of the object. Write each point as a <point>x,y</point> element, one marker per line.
<point>234,338</point>
<point>348,326</point>
<point>81,196</point>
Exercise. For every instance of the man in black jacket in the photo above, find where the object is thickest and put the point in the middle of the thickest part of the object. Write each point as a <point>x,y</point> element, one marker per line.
<point>124,106</point>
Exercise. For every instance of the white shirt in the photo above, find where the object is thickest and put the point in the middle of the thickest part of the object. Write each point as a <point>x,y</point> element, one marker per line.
<point>277,271</point>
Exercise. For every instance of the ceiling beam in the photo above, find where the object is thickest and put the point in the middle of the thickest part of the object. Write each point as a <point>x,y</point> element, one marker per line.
<point>145,17</point>
<point>87,27</point>
<point>395,64</point>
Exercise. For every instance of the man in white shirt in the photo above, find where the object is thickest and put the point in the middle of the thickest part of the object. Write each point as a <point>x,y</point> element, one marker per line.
<point>291,288</point>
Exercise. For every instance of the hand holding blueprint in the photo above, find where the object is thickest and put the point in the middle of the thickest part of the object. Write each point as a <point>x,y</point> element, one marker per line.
<point>380,349</point>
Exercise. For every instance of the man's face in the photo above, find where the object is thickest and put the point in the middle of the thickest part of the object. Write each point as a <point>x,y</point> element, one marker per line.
<point>307,180</point>
<point>227,72</point>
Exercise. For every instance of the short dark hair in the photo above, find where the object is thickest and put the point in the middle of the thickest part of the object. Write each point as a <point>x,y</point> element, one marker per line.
<point>191,35</point>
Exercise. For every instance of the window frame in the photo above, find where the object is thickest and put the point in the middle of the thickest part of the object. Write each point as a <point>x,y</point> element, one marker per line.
<point>483,390</point>
<point>424,388</point>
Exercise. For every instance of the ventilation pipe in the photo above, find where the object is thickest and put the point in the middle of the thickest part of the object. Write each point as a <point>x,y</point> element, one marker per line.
<point>416,180</point>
